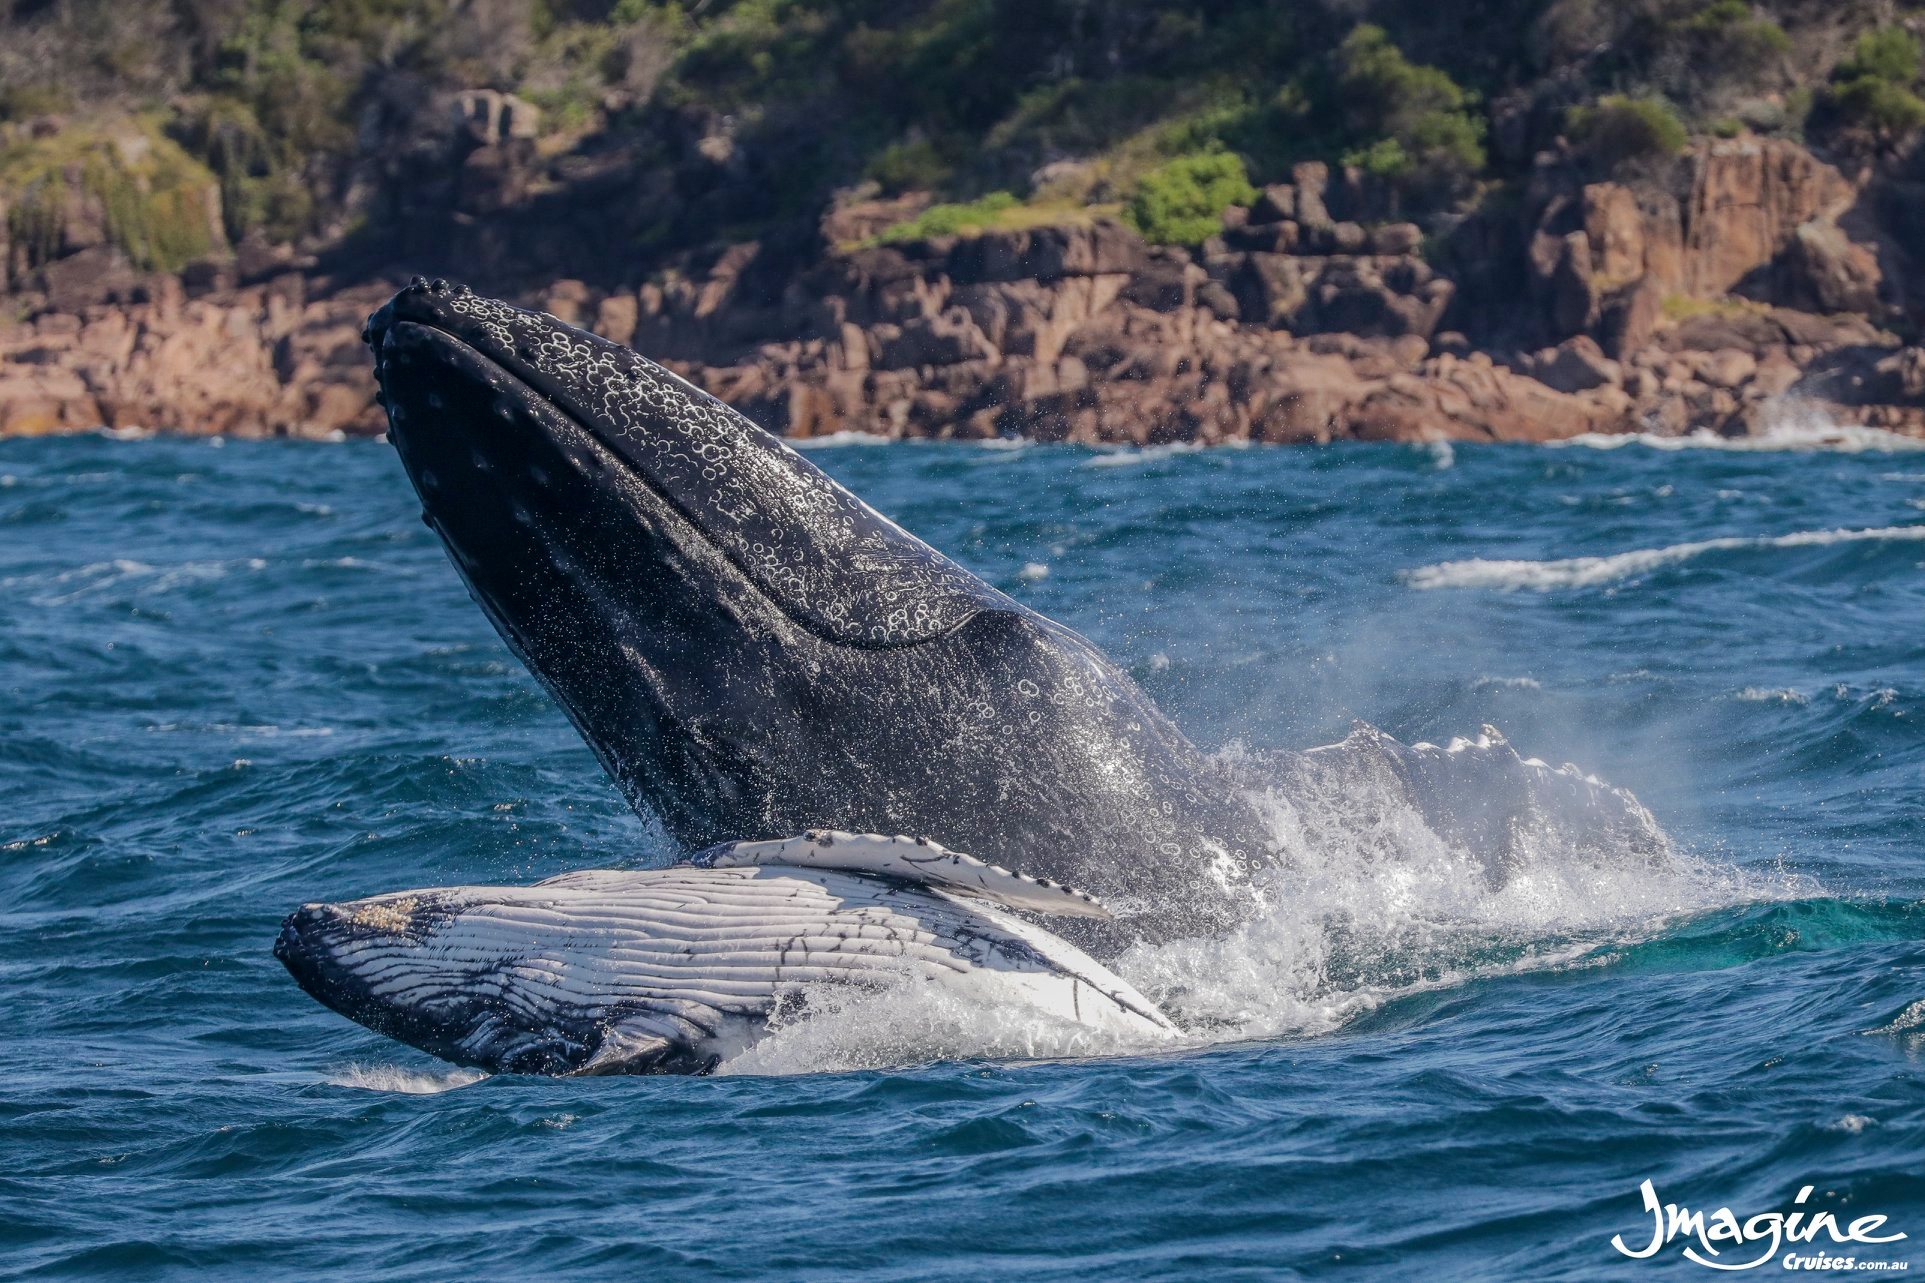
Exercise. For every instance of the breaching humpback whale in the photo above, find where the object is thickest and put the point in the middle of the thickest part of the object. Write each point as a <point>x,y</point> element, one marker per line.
<point>784,677</point>
<point>753,653</point>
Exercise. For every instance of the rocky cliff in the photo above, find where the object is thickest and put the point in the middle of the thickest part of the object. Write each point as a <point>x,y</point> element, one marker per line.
<point>1750,277</point>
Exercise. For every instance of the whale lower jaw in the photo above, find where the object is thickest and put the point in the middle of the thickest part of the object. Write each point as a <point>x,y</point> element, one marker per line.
<point>669,970</point>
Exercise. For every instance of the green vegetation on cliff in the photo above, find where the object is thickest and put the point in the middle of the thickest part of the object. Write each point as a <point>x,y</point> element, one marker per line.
<point>310,115</point>
<point>1181,202</point>
<point>118,180</point>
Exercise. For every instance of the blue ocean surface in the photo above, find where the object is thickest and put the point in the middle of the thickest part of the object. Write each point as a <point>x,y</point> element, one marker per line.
<point>241,676</point>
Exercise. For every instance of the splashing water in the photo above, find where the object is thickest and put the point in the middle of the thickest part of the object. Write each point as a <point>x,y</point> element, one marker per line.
<point>406,1082</point>
<point>1402,870</point>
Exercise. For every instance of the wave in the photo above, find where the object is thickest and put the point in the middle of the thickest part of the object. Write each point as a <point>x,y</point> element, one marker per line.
<point>1507,684</point>
<point>1773,695</point>
<point>1129,456</point>
<point>1802,434</point>
<point>1585,572</point>
<point>101,576</point>
<point>833,440</point>
<point>406,1082</point>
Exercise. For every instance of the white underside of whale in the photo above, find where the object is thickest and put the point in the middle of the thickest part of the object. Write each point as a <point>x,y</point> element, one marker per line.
<point>692,960</point>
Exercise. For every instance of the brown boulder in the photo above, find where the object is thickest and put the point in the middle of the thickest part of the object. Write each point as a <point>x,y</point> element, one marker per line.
<point>1614,228</point>
<point>1390,239</point>
<point>1823,270</point>
<point>1747,199</point>
<point>1628,318</point>
<point>1103,247</point>
<point>1576,365</point>
<point>1309,181</point>
<point>1729,368</point>
<point>1165,283</point>
<point>97,275</point>
<point>1265,238</point>
<point>937,340</point>
<point>1277,203</point>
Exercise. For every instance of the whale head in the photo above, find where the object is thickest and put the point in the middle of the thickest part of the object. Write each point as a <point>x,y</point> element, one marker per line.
<point>749,648</point>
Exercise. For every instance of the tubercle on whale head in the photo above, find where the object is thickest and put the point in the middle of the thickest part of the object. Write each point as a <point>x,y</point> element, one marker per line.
<point>375,327</point>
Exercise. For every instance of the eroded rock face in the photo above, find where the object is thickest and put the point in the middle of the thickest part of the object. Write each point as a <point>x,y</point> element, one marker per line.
<point>256,362</point>
<point>1758,217</point>
<point>1293,326</point>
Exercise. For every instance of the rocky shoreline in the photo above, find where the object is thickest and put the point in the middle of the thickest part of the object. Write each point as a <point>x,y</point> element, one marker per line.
<point>1753,284</point>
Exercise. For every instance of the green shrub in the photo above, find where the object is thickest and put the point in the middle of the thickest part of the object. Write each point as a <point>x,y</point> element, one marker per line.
<point>949,220</point>
<point>909,167</point>
<point>155,197</point>
<point>1385,158</point>
<point>1887,109</point>
<point>1873,87</point>
<point>1890,53</point>
<point>1729,41</point>
<point>1181,202</point>
<point>1798,105</point>
<point>1425,116</point>
<point>1618,131</point>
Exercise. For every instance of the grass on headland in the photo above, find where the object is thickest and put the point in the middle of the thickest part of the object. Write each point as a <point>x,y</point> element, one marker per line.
<point>158,204</point>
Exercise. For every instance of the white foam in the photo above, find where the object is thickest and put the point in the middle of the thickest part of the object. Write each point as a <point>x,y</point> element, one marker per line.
<point>1374,903</point>
<point>832,440</point>
<point>406,1082</point>
<point>1508,683</point>
<point>1765,695</point>
<point>1798,428</point>
<point>1033,571</point>
<point>1129,456</point>
<point>1584,572</point>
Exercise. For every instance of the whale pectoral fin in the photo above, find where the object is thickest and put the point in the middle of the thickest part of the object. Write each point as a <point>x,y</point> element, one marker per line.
<point>907,859</point>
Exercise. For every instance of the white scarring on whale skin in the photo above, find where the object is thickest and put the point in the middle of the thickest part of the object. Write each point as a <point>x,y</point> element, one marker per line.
<point>635,971</point>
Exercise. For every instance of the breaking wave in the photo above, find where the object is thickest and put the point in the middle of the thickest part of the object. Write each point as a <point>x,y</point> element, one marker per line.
<point>1585,572</point>
<point>403,1081</point>
<point>832,440</point>
<point>1798,430</point>
<point>1131,455</point>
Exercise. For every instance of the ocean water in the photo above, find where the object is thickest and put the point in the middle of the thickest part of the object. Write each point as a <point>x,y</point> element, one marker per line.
<point>238,677</point>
